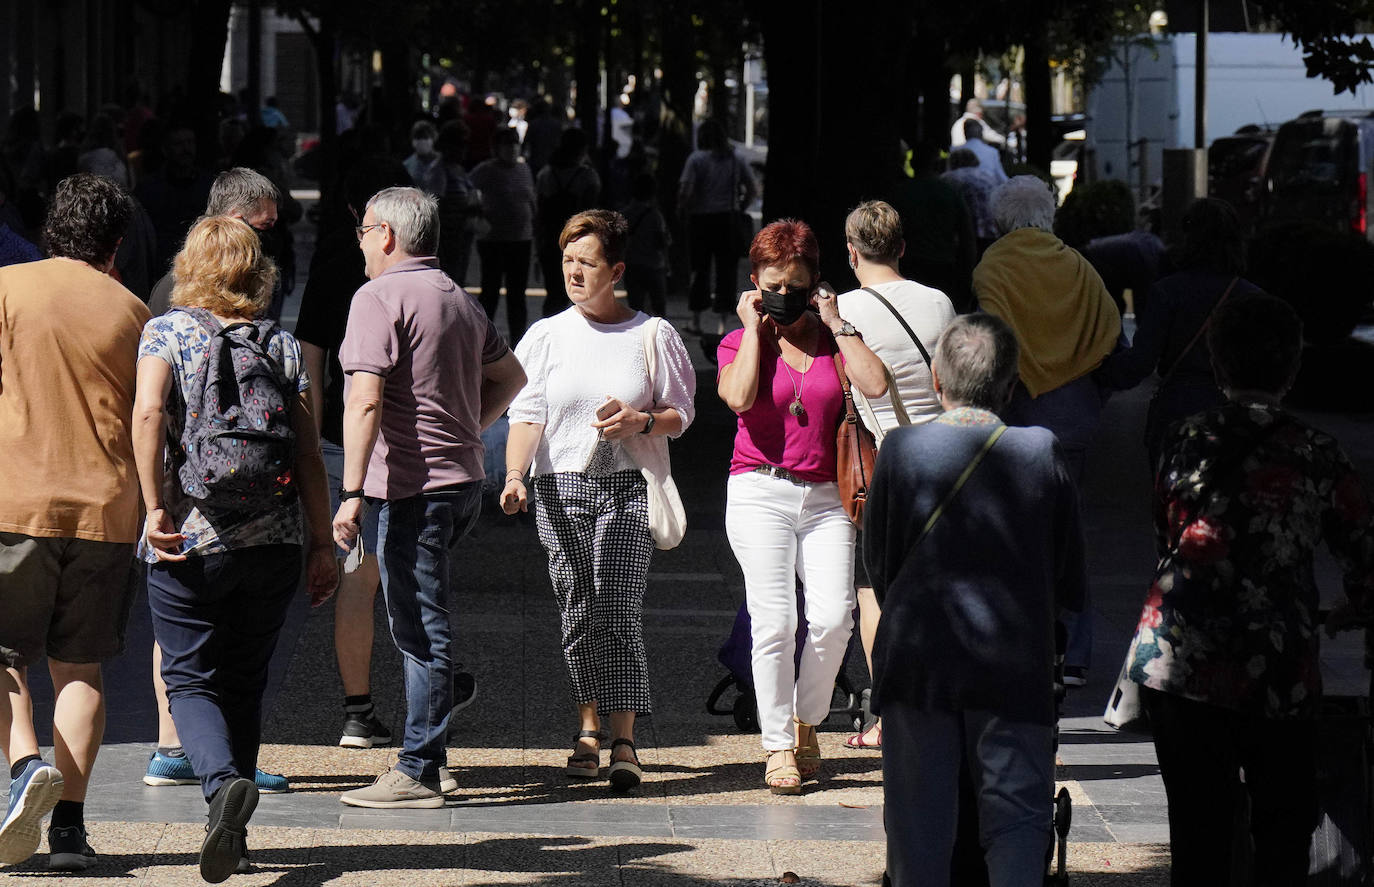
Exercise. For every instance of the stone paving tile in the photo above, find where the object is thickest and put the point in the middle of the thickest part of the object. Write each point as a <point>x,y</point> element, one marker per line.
<point>706,862</point>
<point>837,862</point>
<point>526,859</point>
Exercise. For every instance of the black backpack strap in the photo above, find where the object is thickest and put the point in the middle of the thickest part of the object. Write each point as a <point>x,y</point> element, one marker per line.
<point>902,320</point>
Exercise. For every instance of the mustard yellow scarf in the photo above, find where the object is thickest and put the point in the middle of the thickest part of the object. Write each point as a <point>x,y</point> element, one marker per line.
<point>1062,314</point>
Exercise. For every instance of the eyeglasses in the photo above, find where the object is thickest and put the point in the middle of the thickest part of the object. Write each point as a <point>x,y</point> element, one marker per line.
<point>363,229</point>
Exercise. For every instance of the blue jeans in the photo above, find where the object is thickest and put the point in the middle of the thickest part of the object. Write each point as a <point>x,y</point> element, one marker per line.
<point>217,618</point>
<point>1072,412</point>
<point>1012,767</point>
<point>414,540</point>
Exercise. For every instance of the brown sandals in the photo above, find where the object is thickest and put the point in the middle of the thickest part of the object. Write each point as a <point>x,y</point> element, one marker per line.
<point>625,775</point>
<point>585,764</point>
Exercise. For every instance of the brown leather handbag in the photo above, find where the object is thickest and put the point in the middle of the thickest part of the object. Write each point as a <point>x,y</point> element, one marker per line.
<point>856,450</point>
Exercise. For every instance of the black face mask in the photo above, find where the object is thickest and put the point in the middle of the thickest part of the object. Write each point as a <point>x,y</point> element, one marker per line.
<point>786,308</point>
<point>270,241</point>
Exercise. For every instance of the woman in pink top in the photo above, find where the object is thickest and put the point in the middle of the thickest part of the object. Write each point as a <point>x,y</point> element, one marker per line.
<point>783,512</point>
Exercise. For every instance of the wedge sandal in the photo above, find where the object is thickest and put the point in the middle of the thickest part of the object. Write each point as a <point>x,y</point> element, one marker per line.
<point>583,764</point>
<point>625,775</point>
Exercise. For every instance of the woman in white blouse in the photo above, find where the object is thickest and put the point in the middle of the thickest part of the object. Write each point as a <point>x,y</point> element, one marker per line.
<point>589,389</point>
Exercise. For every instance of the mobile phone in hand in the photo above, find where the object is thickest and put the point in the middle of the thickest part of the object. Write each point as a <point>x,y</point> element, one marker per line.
<point>606,410</point>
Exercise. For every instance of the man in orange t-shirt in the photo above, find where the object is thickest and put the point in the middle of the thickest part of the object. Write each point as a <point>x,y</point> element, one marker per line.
<point>69,508</point>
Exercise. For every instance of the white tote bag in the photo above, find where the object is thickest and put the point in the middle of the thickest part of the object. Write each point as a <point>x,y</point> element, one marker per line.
<point>667,518</point>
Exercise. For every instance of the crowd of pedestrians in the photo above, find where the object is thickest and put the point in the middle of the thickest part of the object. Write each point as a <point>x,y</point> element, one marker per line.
<point>215,445</point>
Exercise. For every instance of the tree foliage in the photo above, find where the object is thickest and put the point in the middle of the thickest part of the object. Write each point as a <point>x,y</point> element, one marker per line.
<point>1329,33</point>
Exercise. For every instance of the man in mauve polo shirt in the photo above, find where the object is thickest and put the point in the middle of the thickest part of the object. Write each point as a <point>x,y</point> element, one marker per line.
<point>427,371</point>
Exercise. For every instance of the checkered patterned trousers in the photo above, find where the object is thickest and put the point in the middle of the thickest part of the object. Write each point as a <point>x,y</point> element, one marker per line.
<point>596,533</point>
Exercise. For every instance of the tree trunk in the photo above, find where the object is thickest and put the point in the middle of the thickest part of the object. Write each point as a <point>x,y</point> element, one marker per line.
<point>833,115</point>
<point>398,91</point>
<point>209,34</point>
<point>254,102</point>
<point>966,77</point>
<point>792,56</point>
<point>1039,129</point>
<point>931,73</point>
<point>587,68</point>
<point>674,127</point>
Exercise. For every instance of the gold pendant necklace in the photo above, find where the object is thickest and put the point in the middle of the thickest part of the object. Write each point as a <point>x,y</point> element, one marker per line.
<point>795,407</point>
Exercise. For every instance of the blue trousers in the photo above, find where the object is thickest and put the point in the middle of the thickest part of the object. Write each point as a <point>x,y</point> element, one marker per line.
<point>217,619</point>
<point>1072,412</point>
<point>1012,766</point>
<point>414,540</point>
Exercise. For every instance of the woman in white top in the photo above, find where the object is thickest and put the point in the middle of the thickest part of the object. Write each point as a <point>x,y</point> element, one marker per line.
<point>588,391</point>
<point>900,320</point>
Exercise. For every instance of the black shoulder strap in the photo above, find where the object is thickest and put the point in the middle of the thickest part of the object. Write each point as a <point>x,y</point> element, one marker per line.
<point>902,320</point>
<point>1223,470</point>
<point>959,483</point>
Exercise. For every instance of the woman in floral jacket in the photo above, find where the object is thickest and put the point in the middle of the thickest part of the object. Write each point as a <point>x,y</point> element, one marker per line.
<point>1226,649</point>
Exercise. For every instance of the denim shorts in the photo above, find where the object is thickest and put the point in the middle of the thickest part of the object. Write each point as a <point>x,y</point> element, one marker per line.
<point>333,465</point>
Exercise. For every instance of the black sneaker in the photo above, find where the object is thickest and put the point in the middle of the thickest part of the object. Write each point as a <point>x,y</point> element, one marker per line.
<point>68,850</point>
<point>464,690</point>
<point>364,731</point>
<point>1075,676</point>
<point>223,848</point>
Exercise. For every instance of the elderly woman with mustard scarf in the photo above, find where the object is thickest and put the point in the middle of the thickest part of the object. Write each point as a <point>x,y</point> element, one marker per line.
<point>1066,324</point>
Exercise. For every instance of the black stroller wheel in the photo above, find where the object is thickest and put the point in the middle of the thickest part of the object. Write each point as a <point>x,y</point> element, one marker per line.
<point>746,712</point>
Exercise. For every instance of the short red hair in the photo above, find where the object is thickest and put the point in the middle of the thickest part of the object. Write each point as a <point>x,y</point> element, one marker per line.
<point>782,242</point>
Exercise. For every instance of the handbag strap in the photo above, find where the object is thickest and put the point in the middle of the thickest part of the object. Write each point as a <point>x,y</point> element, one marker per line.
<point>959,484</point>
<point>925,355</point>
<point>1178,362</point>
<point>650,337</point>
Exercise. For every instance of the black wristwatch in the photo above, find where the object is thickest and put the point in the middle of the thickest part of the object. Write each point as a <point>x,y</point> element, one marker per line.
<point>649,426</point>
<point>345,495</point>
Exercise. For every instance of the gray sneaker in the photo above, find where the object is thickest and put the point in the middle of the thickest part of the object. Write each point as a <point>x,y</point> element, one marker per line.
<point>394,789</point>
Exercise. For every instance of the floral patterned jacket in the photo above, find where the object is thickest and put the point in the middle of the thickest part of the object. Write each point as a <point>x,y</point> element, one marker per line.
<point>1244,494</point>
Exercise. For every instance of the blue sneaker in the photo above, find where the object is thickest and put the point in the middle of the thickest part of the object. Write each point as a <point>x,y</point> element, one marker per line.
<point>177,770</point>
<point>271,783</point>
<point>32,795</point>
<point>170,770</point>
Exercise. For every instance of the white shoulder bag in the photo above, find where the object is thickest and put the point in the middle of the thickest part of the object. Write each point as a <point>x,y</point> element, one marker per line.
<point>667,519</point>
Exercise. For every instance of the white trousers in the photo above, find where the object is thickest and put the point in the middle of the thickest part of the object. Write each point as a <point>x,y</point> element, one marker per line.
<point>777,530</point>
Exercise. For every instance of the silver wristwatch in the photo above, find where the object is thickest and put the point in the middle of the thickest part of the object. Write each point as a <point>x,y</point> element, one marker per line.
<point>846,329</point>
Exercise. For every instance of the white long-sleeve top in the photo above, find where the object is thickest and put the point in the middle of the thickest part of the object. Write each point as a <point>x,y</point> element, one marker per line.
<point>574,364</point>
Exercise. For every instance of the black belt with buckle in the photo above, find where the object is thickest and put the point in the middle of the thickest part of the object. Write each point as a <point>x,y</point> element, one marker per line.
<point>782,473</point>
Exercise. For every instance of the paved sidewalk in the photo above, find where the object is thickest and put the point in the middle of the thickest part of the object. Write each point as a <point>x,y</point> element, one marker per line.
<point>703,815</point>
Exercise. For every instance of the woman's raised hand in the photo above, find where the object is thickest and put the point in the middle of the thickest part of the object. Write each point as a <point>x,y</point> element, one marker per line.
<point>750,309</point>
<point>827,305</point>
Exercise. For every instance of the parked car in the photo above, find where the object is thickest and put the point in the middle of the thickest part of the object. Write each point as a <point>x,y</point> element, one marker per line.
<point>1319,169</point>
<point>1236,167</point>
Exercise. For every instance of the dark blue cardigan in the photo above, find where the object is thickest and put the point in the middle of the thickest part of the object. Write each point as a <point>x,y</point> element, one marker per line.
<point>968,617</point>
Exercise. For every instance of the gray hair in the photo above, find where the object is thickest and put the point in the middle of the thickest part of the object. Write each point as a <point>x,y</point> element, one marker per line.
<point>1023,202</point>
<point>976,360</point>
<point>239,190</point>
<point>412,215</point>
